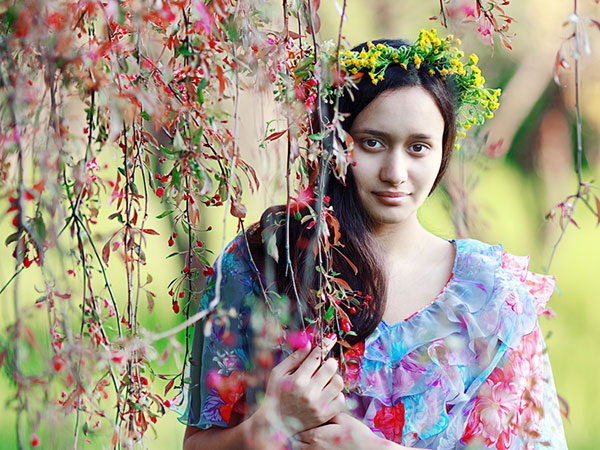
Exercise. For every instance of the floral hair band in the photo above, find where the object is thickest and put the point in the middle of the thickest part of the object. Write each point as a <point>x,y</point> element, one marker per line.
<point>476,103</point>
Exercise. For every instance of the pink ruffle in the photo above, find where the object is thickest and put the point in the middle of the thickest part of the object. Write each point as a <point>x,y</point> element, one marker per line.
<point>539,286</point>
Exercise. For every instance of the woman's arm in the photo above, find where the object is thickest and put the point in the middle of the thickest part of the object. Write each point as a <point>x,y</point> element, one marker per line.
<point>343,432</point>
<point>302,392</point>
<point>217,438</point>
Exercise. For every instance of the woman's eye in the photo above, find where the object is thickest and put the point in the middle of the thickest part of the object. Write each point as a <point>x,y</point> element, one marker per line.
<point>371,144</point>
<point>418,148</point>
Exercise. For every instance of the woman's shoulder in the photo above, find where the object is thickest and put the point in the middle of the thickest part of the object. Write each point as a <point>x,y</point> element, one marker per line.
<point>235,272</point>
<point>497,286</point>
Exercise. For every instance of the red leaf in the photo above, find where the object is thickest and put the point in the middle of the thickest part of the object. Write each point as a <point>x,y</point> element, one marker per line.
<point>106,252</point>
<point>564,407</point>
<point>275,135</point>
<point>238,210</point>
<point>222,81</point>
<point>505,44</point>
<point>150,231</point>
<point>595,22</point>
<point>169,386</point>
<point>149,295</point>
<point>597,209</point>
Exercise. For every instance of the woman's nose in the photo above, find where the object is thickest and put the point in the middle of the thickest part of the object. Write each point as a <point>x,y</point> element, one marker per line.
<point>394,169</point>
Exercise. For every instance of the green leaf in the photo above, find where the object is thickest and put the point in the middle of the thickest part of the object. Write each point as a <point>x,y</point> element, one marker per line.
<point>146,116</point>
<point>178,143</point>
<point>329,313</point>
<point>165,214</point>
<point>12,238</point>
<point>316,136</point>
<point>184,51</point>
<point>176,178</point>
<point>202,83</point>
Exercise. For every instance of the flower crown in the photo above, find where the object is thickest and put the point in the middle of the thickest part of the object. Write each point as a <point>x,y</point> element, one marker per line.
<point>442,56</point>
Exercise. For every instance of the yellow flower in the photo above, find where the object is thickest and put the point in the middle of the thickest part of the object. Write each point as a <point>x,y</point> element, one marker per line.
<point>363,54</point>
<point>380,77</point>
<point>348,54</point>
<point>489,115</point>
<point>403,65</point>
<point>380,46</point>
<point>418,61</point>
<point>370,45</point>
<point>353,71</point>
<point>474,58</point>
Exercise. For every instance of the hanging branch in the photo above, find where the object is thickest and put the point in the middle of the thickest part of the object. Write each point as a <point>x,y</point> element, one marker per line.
<point>566,208</point>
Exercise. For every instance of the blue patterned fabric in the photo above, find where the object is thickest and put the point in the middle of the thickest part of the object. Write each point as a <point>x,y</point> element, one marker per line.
<point>468,369</point>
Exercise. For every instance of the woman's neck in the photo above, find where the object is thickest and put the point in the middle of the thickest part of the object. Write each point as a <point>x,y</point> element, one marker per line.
<point>405,241</point>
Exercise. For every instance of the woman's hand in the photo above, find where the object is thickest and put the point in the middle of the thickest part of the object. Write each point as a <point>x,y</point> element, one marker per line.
<point>305,390</point>
<point>342,432</point>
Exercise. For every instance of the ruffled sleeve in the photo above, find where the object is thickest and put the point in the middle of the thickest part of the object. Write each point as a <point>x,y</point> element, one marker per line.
<point>215,385</point>
<point>517,407</point>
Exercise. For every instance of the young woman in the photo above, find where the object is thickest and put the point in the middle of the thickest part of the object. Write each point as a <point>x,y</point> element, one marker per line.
<point>448,353</point>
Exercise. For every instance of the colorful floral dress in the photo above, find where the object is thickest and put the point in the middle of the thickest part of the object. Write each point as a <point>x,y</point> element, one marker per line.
<point>470,370</point>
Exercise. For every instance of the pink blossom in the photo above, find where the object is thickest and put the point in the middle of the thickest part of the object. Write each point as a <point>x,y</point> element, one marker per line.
<point>468,10</point>
<point>485,28</point>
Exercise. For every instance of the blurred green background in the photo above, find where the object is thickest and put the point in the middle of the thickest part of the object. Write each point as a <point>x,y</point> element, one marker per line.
<point>505,200</point>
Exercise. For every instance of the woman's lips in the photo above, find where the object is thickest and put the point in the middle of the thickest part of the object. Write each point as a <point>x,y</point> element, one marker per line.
<point>391,198</point>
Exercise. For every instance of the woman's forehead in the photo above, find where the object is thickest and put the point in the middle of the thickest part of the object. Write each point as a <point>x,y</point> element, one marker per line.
<point>411,110</point>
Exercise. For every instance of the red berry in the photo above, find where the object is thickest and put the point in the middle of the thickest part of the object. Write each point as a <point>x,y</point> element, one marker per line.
<point>174,235</point>
<point>157,176</point>
<point>35,441</point>
<point>186,269</point>
<point>352,310</point>
<point>171,293</point>
<point>346,326</point>
<point>160,191</point>
<point>181,294</point>
<point>176,308</point>
<point>199,243</point>
<point>164,179</point>
<point>167,403</point>
<point>171,242</point>
<point>152,419</point>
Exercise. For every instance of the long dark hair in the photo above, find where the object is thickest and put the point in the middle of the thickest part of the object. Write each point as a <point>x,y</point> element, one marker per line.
<point>356,226</point>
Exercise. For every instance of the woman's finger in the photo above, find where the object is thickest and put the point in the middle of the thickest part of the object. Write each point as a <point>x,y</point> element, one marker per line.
<point>312,362</point>
<point>323,375</point>
<point>333,388</point>
<point>293,361</point>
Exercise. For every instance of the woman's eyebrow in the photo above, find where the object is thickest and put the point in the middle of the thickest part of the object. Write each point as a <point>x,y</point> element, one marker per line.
<point>383,134</point>
<point>372,132</point>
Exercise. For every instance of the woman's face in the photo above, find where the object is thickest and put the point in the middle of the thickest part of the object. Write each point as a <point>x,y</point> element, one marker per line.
<point>398,153</point>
